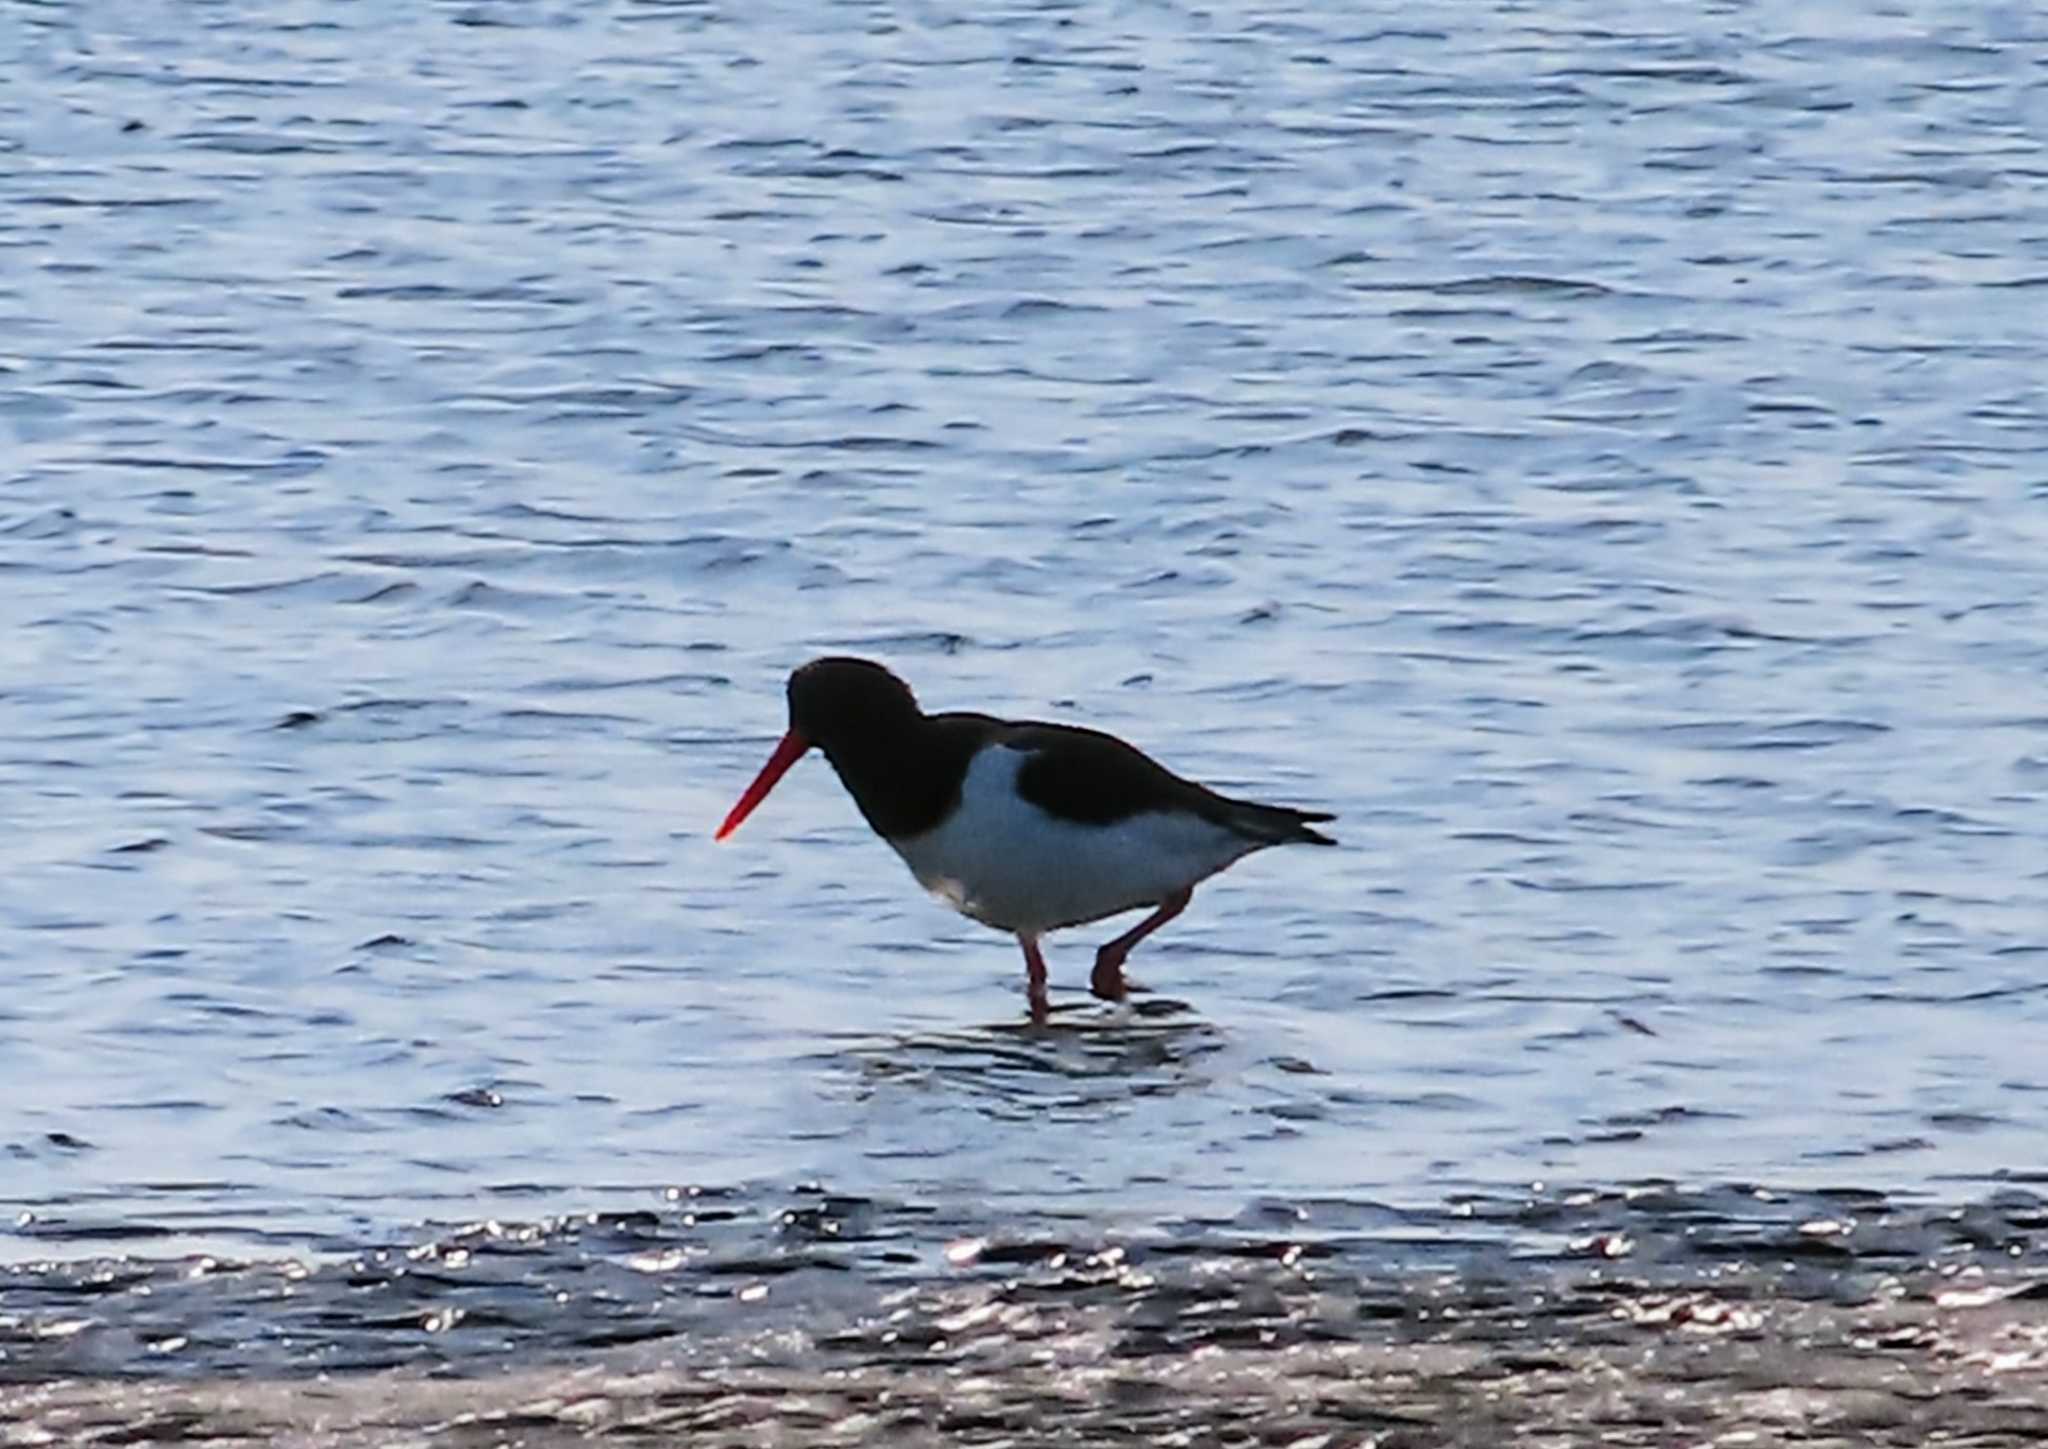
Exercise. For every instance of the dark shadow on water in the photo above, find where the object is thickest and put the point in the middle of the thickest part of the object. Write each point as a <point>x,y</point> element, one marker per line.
<point>1087,1055</point>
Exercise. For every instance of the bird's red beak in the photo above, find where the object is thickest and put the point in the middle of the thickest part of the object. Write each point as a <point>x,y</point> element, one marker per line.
<point>786,754</point>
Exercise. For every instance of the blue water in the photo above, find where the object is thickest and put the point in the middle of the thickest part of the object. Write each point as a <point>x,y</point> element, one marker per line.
<point>1598,450</point>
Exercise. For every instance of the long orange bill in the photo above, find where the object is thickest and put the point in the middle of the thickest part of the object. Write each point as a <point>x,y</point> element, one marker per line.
<point>786,754</point>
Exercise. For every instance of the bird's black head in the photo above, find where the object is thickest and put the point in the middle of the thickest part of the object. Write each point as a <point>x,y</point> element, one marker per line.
<point>863,717</point>
<point>836,701</point>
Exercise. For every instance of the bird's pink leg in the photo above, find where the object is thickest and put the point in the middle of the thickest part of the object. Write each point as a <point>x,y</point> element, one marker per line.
<point>1034,968</point>
<point>1107,980</point>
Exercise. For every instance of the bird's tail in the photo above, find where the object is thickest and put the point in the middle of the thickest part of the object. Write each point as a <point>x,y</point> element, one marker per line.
<point>1276,824</point>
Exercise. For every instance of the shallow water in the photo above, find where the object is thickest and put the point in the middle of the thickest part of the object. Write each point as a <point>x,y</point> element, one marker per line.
<point>820,1280</point>
<point>1598,452</point>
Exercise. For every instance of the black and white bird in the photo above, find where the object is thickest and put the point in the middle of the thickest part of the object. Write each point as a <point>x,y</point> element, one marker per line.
<point>1023,826</point>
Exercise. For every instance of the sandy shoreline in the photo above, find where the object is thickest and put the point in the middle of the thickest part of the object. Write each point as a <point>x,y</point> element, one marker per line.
<point>1255,1354</point>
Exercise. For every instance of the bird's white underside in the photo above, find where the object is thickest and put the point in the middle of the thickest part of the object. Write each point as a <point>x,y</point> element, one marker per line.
<point>1000,860</point>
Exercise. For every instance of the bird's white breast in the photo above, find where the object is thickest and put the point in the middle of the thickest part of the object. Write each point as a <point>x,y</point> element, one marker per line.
<point>1006,863</point>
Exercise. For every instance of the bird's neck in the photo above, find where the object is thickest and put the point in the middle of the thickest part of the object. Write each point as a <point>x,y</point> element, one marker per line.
<point>898,775</point>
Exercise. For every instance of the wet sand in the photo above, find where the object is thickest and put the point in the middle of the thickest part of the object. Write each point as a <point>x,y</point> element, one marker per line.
<point>1891,1327</point>
<point>1619,1367</point>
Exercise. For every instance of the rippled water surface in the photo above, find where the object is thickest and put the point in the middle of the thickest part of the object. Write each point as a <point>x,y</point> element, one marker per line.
<point>1597,450</point>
